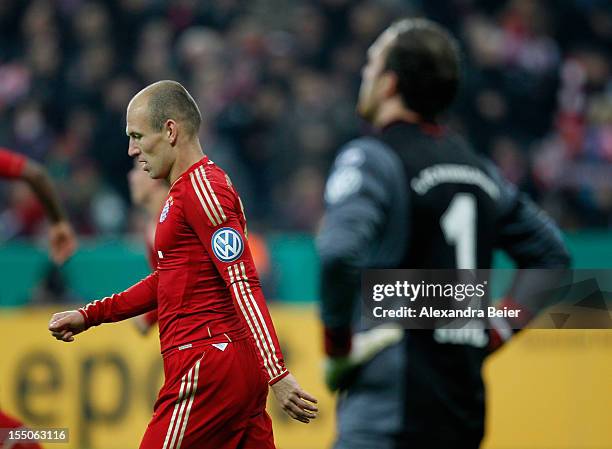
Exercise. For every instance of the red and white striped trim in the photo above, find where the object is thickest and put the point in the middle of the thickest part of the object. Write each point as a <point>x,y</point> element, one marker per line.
<point>84,313</point>
<point>256,306</point>
<point>212,191</point>
<point>254,318</point>
<point>84,309</point>
<point>182,408</point>
<point>207,196</point>
<point>93,303</point>
<point>239,296</point>
<point>279,377</point>
<point>246,231</point>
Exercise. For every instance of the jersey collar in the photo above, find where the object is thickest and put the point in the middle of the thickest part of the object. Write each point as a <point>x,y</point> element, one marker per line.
<point>432,129</point>
<point>201,162</point>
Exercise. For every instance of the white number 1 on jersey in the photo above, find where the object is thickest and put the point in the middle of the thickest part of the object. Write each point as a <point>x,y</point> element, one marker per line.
<point>458,224</point>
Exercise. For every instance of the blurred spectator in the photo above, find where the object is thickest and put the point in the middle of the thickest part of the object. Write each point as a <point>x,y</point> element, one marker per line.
<point>276,82</point>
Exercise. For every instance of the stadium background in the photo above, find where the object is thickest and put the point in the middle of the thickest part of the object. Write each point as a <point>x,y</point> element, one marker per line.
<point>276,81</point>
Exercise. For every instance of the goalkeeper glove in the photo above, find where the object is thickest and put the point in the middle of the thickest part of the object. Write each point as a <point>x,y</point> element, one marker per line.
<point>503,329</point>
<point>364,347</point>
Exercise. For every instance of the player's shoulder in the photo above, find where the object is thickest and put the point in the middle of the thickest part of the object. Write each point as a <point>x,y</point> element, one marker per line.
<point>11,163</point>
<point>204,178</point>
<point>508,192</point>
<point>8,153</point>
<point>365,166</point>
<point>206,187</point>
<point>369,152</point>
<point>219,183</point>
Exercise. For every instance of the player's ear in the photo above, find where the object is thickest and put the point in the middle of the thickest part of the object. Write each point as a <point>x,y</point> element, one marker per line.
<point>389,84</point>
<point>171,131</point>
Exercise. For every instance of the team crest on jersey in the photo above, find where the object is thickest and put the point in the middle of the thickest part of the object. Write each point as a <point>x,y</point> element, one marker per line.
<point>227,244</point>
<point>165,210</point>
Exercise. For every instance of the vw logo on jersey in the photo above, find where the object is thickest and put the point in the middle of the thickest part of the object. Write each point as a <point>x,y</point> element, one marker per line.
<point>227,244</point>
<point>165,210</point>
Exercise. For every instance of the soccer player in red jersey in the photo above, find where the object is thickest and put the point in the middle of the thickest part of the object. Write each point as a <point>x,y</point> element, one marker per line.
<point>149,195</point>
<point>62,240</point>
<point>218,342</point>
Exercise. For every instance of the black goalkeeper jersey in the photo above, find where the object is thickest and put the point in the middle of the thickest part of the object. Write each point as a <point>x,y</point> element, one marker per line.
<point>420,197</point>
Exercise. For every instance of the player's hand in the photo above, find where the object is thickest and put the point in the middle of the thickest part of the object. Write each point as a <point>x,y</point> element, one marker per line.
<point>62,242</point>
<point>294,401</point>
<point>364,347</point>
<point>501,330</point>
<point>65,325</point>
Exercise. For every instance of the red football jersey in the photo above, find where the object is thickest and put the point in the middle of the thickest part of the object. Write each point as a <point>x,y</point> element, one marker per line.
<point>205,285</point>
<point>150,318</point>
<point>11,164</point>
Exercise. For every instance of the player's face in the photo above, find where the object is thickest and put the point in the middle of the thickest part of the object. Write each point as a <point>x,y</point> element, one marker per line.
<point>141,185</point>
<point>371,91</point>
<point>147,146</point>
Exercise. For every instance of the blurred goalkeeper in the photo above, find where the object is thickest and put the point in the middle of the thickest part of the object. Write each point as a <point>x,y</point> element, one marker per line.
<point>218,342</point>
<point>415,195</point>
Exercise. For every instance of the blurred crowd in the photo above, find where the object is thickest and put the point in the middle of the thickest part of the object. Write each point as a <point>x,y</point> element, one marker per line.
<point>277,81</point>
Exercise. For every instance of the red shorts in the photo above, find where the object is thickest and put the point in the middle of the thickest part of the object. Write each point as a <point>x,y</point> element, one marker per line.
<point>214,397</point>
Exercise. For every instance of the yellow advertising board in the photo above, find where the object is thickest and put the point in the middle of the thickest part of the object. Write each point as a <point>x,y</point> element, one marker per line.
<point>547,390</point>
<point>103,385</point>
<point>551,389</point>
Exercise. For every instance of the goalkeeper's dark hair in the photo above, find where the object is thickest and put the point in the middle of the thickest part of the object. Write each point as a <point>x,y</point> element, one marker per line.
<point>170,100</point>
<point>427,61</point>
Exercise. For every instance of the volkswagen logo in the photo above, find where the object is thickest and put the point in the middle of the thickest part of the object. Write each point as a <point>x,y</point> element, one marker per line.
<point>227,244</point>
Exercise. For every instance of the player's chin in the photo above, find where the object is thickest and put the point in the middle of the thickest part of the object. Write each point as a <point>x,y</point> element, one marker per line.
<point>157,174</point>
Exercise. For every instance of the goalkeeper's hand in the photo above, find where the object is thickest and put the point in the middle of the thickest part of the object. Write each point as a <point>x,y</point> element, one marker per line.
<point>501,330</point>
<point>500,333</point>
<point>364,347</point>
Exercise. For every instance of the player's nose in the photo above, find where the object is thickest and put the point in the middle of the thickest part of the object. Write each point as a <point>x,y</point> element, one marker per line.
<point>133,150</point>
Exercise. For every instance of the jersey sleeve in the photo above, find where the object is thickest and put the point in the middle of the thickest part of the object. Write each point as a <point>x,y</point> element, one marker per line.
<point>534,242</point>
<point>150,318</point>
<point>136,300</point>
<point>214,212</point>
<point>525,232</point>
<point>11,164</point>
<point>358,197</point>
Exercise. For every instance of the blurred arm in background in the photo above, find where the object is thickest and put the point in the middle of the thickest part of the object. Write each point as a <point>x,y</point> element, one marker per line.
<point>62,239</point>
